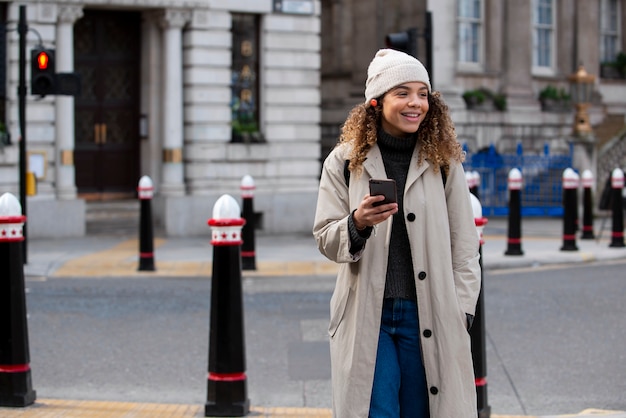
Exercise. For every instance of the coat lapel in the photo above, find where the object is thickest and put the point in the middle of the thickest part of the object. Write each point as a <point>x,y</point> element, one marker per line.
<point>373,164</point>
<point>413,175</point>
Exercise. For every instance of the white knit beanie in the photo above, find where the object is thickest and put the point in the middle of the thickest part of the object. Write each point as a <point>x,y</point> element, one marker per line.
<point>390,68</point>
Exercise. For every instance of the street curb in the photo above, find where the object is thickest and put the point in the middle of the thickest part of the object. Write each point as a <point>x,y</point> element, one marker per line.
<point>45,408</point>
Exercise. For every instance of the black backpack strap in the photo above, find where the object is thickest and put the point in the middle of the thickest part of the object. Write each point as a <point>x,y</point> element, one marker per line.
<point>346,172</point>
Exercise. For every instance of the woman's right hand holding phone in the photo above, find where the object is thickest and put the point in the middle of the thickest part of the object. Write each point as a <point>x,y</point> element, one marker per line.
<point>367,214</point>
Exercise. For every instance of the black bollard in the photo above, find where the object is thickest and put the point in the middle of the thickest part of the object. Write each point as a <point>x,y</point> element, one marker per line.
<point>477,331</point>
<point>570,203</point>
<point>146,233</point>
<point>248,254</point>
<point>617,210</point>
<point>514,240</point>
<point>15,375</point>
<point>226,387</point>
<point>587,179</point>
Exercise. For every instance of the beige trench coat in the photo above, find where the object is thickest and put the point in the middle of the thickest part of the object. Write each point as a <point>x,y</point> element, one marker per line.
<point>444,246</point>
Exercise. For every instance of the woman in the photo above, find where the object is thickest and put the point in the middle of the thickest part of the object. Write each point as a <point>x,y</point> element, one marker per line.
<point>409,273</point>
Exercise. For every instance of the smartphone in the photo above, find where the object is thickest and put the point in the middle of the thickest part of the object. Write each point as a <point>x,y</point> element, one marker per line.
<point>385,187</point>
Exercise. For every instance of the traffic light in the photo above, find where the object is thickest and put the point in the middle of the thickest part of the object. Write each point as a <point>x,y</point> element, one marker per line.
<point>43,72</point>
<point>403,41</point>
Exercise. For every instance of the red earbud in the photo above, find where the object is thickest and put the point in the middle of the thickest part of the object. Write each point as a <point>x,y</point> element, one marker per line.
<point>374,102</point>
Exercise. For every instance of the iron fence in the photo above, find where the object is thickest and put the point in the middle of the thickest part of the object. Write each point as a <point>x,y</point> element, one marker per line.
<point>542,191</point>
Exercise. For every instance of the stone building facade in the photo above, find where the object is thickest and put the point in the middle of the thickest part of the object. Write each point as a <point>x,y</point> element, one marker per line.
<point>195,94</point>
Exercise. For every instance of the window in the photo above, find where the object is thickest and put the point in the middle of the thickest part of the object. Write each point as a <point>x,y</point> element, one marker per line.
<point>245,79</point>
<point>470,28</point>
<point>609,30</point>
<point>543,34</point>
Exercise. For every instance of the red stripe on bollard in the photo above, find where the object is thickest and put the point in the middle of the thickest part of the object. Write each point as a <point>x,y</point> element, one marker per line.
<point>248,253</point>
<point>617,234</point>
<point>146,255</point>
<point>569,237</point>
<point>12,219</point>
<point>14,368</point>
<point>481,381</point>
<point>514,240</point>
<point>227,222</point>
<point>227,377</point>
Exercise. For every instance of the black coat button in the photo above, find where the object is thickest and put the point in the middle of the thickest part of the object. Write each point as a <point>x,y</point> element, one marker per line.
<point>421,275</point>
<point>427,333</point>
<point>434,390</point>
<point>410,217</point>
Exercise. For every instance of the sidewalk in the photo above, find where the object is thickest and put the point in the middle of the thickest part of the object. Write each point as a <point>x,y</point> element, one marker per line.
<point>286,255</point>
<point>102,256</point>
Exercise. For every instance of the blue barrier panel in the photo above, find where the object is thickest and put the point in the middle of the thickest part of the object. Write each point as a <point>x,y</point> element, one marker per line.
<point>542,191</point>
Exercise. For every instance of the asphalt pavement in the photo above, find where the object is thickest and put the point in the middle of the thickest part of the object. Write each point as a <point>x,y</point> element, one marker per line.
<point>113,255</point>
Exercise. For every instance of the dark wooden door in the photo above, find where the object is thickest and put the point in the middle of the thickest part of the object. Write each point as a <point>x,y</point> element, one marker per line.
<point>106,55</point>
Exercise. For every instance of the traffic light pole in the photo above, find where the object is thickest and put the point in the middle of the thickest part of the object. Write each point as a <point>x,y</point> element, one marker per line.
<point>428,38</point>
<point>21,93</point>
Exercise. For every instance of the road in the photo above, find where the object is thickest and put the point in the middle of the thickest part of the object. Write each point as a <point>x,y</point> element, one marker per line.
<point>555,339</point>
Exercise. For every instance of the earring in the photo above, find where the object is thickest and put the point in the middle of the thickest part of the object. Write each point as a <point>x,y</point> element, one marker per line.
<point>374,102</point>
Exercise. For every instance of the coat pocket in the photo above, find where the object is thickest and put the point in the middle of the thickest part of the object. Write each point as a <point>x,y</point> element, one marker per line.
<point>338,304</point>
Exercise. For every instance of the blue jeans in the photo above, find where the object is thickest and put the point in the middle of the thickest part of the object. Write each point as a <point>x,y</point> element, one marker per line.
<point>399,389</point>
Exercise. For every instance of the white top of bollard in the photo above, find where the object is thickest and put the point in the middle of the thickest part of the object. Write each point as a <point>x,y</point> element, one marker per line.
<point>226,207</point>
<point>247,182</point>
<point>570,178</point>
<point>9,206</point>
<point>145,182</point>
<point>515,179</point>
<point>11,219</point>
<point>569,173</point>
<point>247,187</point>
<point>145,188</point>
<point>617,178</point>
<point>515,174</point>
<point>227,222</point>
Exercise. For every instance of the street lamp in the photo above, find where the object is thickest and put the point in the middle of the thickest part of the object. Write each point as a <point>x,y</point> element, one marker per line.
<point>581,85</point>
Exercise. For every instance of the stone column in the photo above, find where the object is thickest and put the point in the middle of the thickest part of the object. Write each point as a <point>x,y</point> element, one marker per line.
<point>172,22</point>
<point>518,56</point>
<point>64,105</point>
<point>445,48</point>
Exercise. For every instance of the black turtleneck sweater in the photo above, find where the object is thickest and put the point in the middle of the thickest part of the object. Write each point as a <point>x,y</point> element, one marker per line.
<point>397,153</point>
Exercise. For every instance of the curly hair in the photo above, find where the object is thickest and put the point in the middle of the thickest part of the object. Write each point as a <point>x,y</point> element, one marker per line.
<point>436,135</point>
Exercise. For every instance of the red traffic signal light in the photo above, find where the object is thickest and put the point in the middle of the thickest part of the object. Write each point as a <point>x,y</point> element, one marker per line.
<point>42,72</point>
<point>43,59</point>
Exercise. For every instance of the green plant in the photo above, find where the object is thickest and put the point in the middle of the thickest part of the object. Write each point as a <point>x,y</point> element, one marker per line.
<point>551,92</point>
<point>499,101</point>
<point>474,96</point>
<point>484,95</point>
<point>618,65</point>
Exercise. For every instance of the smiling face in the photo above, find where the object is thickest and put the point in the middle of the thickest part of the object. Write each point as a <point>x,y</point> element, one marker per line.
<point>404,108</point>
